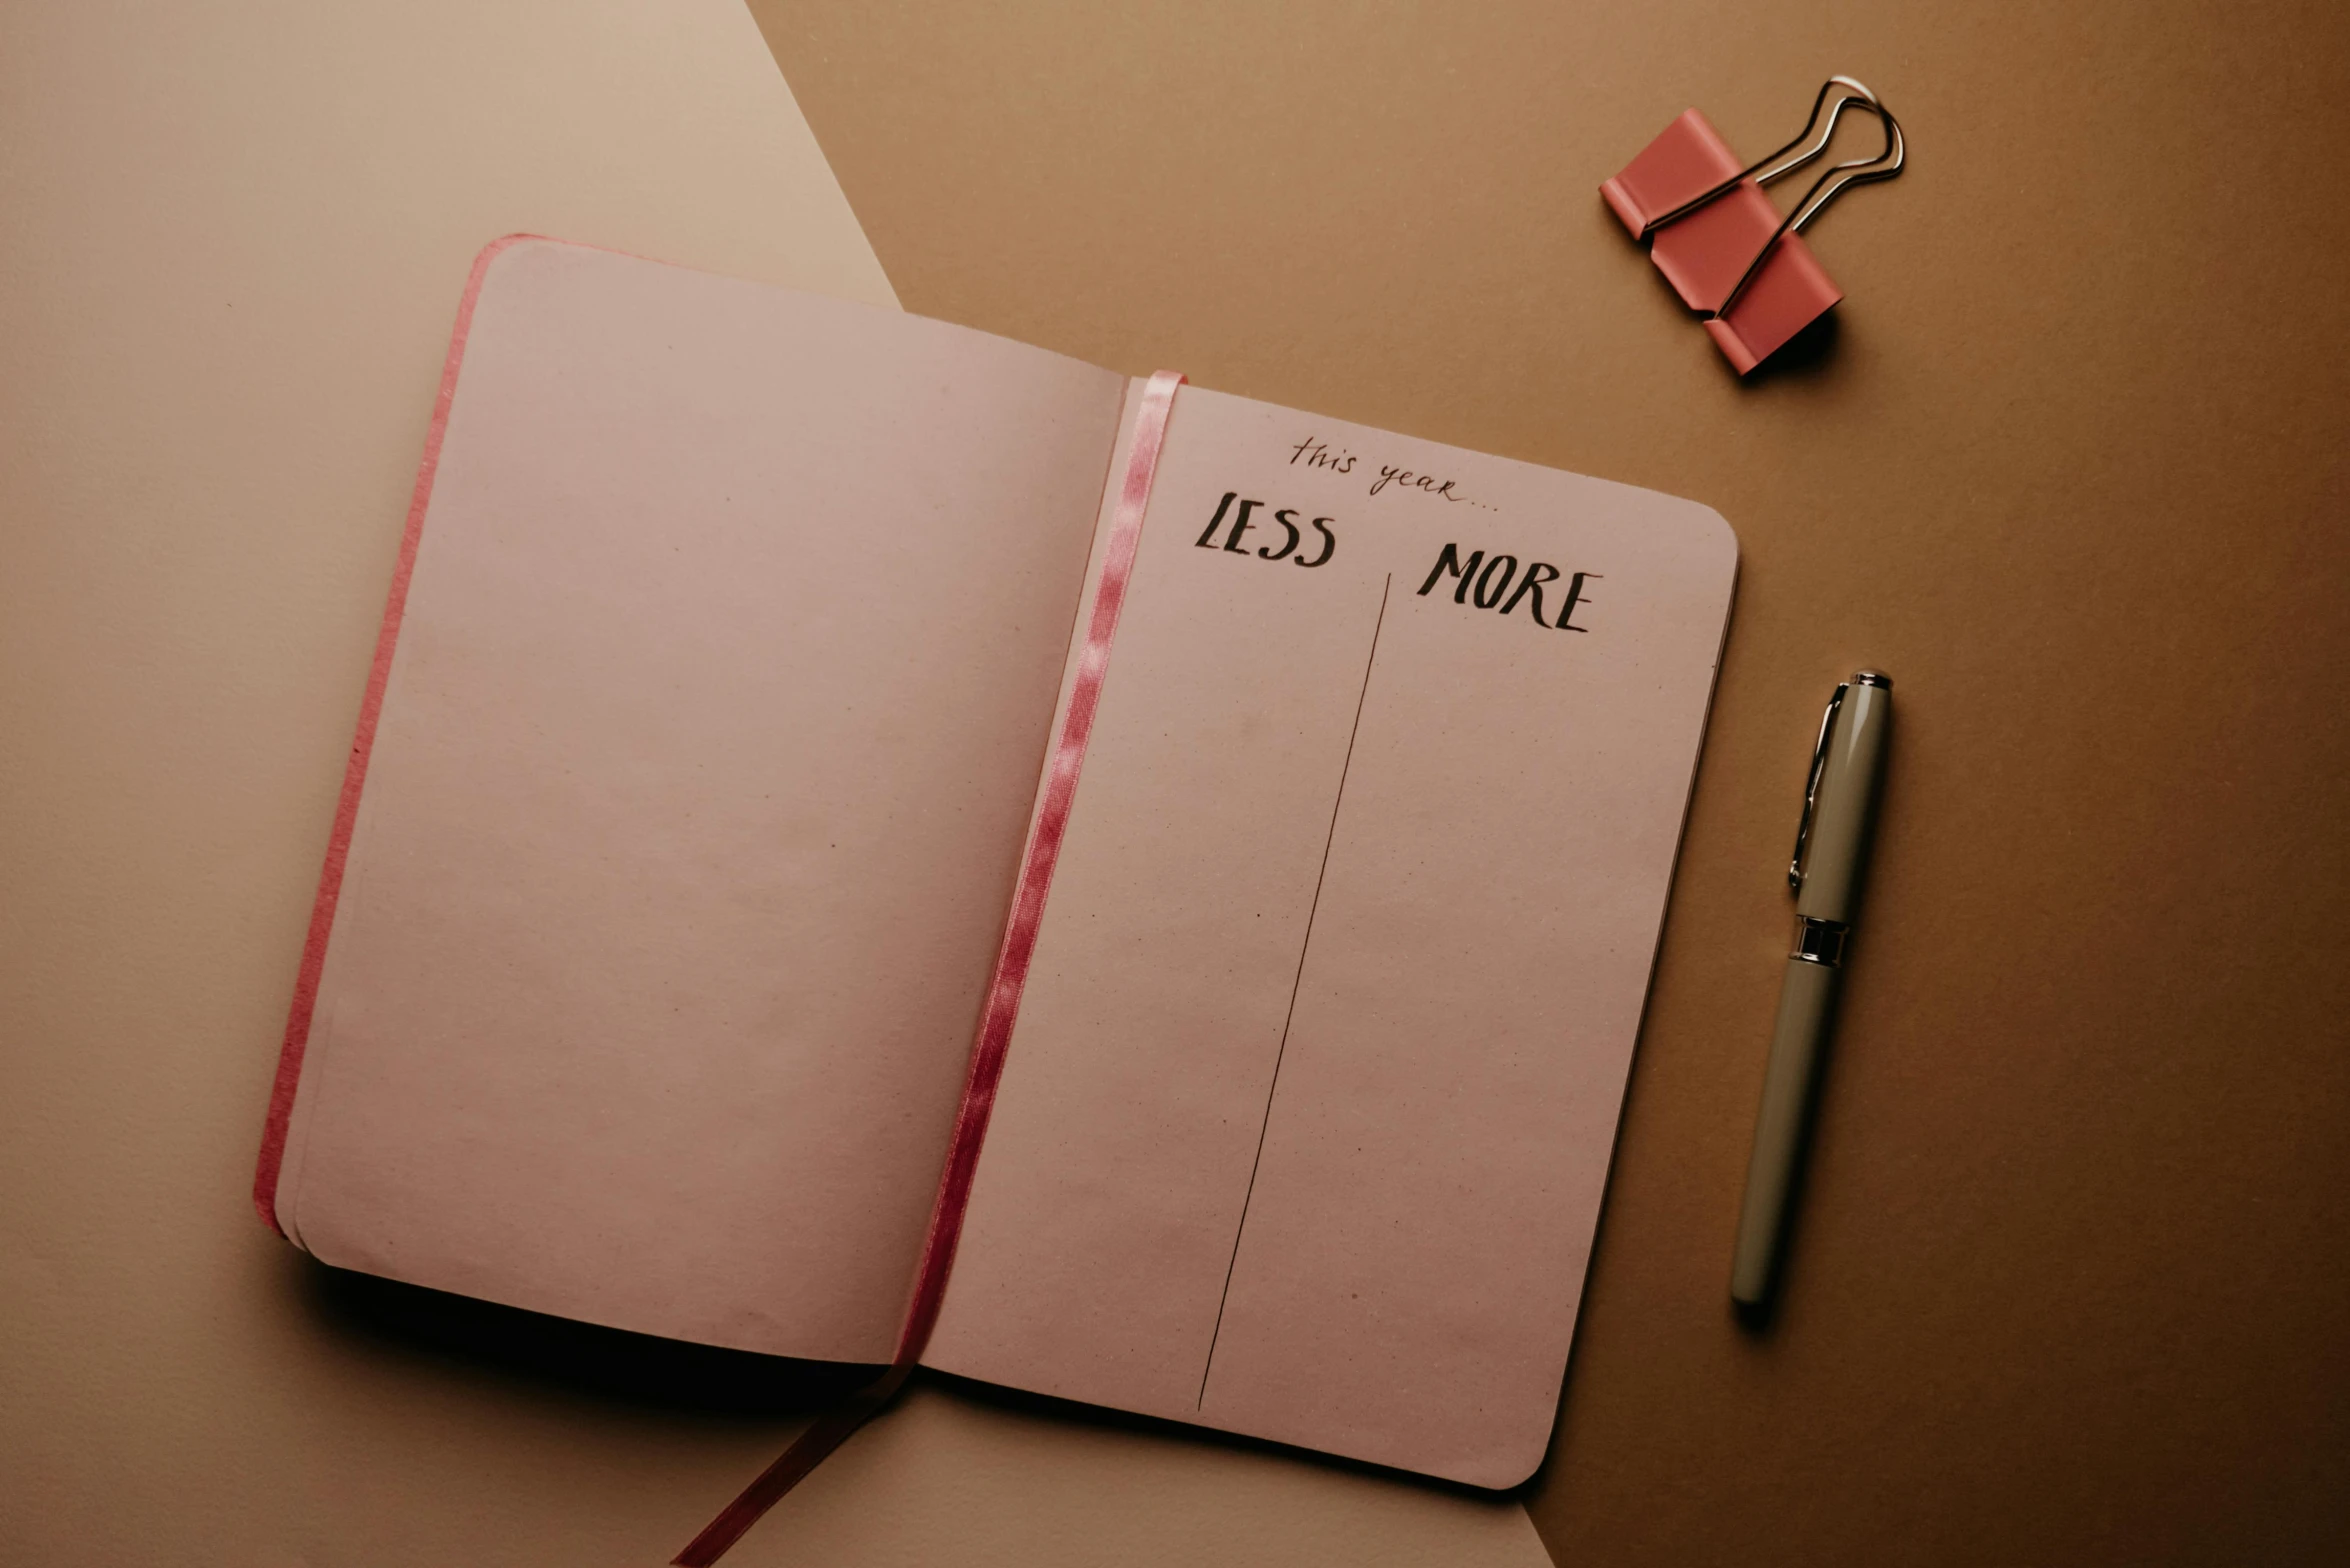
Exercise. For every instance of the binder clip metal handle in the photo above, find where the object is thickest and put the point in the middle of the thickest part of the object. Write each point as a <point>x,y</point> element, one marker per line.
<point>1718,240</point>
<point>1854,171</point>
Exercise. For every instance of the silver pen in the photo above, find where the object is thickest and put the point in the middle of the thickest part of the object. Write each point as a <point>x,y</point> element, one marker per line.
<point>1831,847</point>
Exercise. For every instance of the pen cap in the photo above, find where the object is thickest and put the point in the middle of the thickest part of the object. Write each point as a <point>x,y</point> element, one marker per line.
<point>1846,802</point>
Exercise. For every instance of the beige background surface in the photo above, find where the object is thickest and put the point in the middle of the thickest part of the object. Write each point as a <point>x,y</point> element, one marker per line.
<point>2068,1286</point>
<point>2070,1280</point>
<point>232,239</point>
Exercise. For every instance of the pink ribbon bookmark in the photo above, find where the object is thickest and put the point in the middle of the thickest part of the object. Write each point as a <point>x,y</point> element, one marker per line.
<point>839,1423</point>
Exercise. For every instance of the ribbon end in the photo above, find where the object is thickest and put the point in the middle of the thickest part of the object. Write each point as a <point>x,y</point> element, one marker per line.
<point>831,1429</point>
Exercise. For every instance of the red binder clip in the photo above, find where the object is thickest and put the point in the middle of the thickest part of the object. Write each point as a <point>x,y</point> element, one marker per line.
<point>1722,245</point>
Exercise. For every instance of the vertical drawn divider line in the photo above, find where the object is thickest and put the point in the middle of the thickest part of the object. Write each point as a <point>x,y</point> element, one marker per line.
<point>1296,981</point>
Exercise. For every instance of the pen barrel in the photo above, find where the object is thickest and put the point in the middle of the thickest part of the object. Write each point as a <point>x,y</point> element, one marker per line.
<point>1846,805</point>
<point>1807,1001</point>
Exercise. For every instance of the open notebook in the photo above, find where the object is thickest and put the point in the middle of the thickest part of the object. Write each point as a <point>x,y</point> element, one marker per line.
<point>696,777</point>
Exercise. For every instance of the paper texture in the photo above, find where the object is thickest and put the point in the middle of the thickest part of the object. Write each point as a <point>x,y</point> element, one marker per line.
<point>1351,935</point>
<point>702,773</point>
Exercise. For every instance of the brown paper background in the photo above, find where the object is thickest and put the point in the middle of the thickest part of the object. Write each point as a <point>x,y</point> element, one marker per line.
<point>2069,1285</point>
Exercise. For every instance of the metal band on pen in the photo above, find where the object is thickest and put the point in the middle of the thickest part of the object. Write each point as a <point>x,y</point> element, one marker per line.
<point>1820,941</point>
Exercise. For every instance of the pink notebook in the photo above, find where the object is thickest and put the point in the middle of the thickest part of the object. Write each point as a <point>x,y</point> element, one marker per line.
<point>697,771</point>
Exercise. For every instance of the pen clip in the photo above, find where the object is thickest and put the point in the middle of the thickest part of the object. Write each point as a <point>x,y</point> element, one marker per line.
<point>1811,788</point>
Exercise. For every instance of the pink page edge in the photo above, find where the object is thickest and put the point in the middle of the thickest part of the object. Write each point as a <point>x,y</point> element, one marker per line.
<point>338,843</point>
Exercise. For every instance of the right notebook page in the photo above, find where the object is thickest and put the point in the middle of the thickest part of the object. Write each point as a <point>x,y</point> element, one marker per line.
<point>1307,1118</point>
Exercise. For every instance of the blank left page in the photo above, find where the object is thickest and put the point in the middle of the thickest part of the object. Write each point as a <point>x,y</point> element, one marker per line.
<point>734,634</point>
